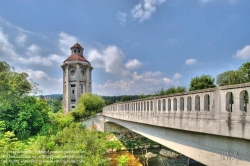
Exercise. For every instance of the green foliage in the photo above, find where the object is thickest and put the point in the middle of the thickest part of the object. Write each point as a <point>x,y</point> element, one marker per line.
<point>113,99</point>
<point>126,98</point>
<point>122,160</point>
<point>21,113</point>
<point>171,90</point>
<point>88,105</point>
<point>113,145</point>
<point>229,78</point>
<point>245,70</point>
<point>32,115</point>
<point>242,75</point>
<point>60,120</point>
<point>202,82</point>
<point>56,106</point>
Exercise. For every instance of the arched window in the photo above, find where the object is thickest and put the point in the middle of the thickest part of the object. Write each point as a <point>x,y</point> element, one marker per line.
<point>207,102</point>
<point>159,105</point>
<point>147,105</point>
<point>151,105</point>
<point>182,104</point>
<point>229,101</point>
<point>189,103</point>
<point>169,104</point>
<point>197,103</point>
<point>175,104</point>
<point>243,100</point>
<point>164,104</point>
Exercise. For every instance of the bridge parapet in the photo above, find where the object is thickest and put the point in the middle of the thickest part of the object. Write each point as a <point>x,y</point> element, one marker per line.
<point>222,111</point>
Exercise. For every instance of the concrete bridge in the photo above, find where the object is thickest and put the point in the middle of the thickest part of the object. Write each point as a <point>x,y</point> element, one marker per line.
<point>211,126</point>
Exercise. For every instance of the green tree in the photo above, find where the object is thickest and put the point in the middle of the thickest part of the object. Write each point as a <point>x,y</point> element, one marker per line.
<point>230,77</point>
<point>56,105</point>
<point>178,89</point>
<point>31,116</point>
<point>160,92</point>
<point>245,70</point>
<point>202,82</point>
<point>88,105</point>
<point>126,98</point>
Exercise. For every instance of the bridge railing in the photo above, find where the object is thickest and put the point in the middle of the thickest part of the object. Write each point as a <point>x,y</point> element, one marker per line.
<point>210,103</point>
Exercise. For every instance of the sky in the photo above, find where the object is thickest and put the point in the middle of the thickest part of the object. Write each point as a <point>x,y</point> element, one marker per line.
<point>135,46</point>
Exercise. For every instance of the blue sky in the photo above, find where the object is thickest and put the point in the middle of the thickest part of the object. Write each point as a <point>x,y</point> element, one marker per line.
<point>135,46</point>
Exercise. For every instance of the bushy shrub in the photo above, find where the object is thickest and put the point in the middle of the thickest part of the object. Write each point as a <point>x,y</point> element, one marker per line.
<point>88,105</point>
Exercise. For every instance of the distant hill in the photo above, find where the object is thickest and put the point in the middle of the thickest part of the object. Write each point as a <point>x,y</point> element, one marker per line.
<point>54,96</point>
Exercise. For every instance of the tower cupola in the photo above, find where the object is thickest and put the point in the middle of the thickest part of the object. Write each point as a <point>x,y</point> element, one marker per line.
<point>77,49</point>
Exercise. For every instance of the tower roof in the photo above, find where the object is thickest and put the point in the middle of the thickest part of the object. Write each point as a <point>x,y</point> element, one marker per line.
<point>77,56</point>
<point>76,45</point>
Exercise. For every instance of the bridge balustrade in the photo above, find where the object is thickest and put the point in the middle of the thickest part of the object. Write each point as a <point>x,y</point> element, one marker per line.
<point>232,99</point>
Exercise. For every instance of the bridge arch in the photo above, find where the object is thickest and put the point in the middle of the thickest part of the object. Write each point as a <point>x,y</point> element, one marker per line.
<point>169,104</point>
<point>182,104</point>
<point>189,103</point>
<point>244,100</point>
<point>159,105</point>
<point>175,104</point>
<point>197,103</point>
<point>164,105</point>
<point>207,102</point>
<point>229,101</point>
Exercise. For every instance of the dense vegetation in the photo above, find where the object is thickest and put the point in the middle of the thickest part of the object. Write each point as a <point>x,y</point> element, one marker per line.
<point>34,132</point>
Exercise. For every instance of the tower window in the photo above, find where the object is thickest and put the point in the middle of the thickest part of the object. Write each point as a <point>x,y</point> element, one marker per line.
<point>74,50</point>
<point>79,51</point>
<point>73,91</point>
<point>72,72</point>
<point>73,85</point>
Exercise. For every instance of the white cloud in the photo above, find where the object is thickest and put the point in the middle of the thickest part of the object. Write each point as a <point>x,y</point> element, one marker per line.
<point>244,53</point>
<point>147,83</point>
<point>177,76</point>
<point>122,17</point>
<point>33,50</point>
<point>190,61</point>
<point>5,46</point>
<point>47,84</point>
<point>21,40</point>
<point>65,42</point>
<point>34,57</point>
<point>145,9</point>
<point>45,61</point>
<point>133,64</point>
<point>109,58</point>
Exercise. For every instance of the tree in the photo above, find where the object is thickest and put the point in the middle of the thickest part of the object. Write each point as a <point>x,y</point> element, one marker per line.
<point>21,113</point>
<point>230,77</point>
<point>126,98</point>
<point>202,82</point>
<point>178,89</point>
<point>56,105</point>
<point>245,70</point>
<point>88,105</point>
<point>31,116</point>
<point>160,92</point>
